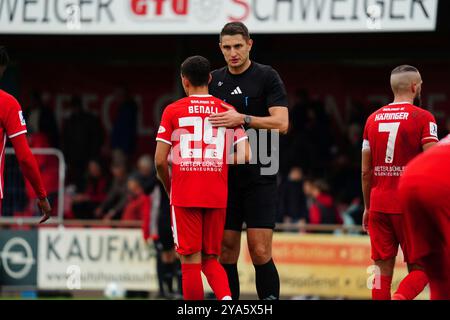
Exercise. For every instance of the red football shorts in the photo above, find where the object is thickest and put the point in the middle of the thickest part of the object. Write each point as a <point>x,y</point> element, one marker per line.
<point>386,234</point>
<point>427,216</point>
<point>426,202</point>
<point>198,230</point>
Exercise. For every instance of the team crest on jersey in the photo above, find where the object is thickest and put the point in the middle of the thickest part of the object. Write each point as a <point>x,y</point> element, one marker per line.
<point>161,129</point>
<point>433,129</point>
<point>22,119</point>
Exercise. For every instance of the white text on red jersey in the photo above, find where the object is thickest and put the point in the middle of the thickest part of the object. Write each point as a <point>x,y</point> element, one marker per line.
<point>392,116</point>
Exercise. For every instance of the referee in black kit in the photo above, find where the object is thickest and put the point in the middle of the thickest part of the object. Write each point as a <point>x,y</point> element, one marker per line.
<point>260,99</point>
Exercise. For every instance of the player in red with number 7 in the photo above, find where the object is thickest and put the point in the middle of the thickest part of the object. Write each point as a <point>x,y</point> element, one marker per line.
<point>198,188</point>
<point>13,126</point>
<point>393,136</point>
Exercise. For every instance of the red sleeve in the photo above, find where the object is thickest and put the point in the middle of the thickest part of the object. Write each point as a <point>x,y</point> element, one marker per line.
<point>28,165</point>
<point>366,143</point>
<point>165,129</point>
<point>14,121</point>
<point>239,135</point>
<point>366,134</point>
<point>429,129</point>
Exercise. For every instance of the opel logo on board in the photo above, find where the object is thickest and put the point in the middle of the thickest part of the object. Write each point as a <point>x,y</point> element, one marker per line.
<point>17,258</point>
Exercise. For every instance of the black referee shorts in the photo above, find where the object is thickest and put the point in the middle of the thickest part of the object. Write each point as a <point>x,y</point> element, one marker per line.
<point>165,241</point>
<point>254,204</point>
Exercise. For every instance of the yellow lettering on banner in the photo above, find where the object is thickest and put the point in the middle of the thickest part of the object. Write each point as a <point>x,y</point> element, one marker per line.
<point>329,266</point>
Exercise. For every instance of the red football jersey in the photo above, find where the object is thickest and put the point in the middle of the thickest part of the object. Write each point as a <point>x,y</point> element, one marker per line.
<point>199,151</point>
<point>395,134</point>
<point>12,125</point>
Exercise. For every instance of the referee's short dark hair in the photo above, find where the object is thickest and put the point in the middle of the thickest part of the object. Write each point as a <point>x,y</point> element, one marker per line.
<point>196,69</point>
<point>234,28</point>
<point>4,58</point>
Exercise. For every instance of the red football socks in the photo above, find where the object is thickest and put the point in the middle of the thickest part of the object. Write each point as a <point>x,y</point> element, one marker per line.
<point>384,290</point>
<point>411,286</point>
<point>217,278</point>
<point>192,282</point>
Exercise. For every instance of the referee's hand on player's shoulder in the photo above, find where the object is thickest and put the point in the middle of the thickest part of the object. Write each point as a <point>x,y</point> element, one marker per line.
<point>45,208</point>
<point>229,119</point>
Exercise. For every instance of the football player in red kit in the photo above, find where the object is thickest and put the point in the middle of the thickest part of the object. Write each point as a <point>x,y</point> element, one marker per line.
<point>13,126</point>
<point>393,135</point>
<point>425,198</point>
<point>198,188</point>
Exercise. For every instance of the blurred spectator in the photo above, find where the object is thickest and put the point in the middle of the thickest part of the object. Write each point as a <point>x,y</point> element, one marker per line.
<point>82,140</point>
<point>297,114</point>
<point>345,172</point>
<point>41,120</point>
<point>292,198</point>
<point>356,113</point>
<point>124,130</point>
<point>138,207</point>
<point>116,198</point>
<point>147,173</point>
<point>93,192</point>
<point>352,215</point>
<point>317,137</point>
<point>322,209</point>
<point>446,130</point>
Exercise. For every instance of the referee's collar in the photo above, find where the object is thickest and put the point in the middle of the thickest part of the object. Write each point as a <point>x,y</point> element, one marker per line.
<point>250,67</point>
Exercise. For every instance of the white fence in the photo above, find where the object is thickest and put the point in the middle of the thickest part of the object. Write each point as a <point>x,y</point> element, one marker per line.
<point>18,206</point>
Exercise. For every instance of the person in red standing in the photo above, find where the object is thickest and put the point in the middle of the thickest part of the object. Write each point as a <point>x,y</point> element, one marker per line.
<point>424,196</point>
<point>13,126</point>
<point>198,188</point>
<point>92,193</point>
<point>139,204</point>
<point>393,135</point>
<point>322,208</point>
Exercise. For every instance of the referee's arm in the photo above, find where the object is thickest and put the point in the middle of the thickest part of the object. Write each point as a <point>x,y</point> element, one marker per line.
<point>278,119</point>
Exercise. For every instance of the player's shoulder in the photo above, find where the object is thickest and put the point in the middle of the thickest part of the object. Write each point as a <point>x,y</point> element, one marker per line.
<point>372,116</point>
<point>7,98</point>
<point>263,69</point>
<point>176,104</point>
<point>420,111</point>
<point>445,141</point>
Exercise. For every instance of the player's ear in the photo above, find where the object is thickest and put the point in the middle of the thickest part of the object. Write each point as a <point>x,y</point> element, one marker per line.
<point>250,43</point>
<point>185,84</point>
<point>209,78</point>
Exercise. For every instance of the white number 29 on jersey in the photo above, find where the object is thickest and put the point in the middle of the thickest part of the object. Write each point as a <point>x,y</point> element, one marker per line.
<point>392,128</point>
<point>203,130</point>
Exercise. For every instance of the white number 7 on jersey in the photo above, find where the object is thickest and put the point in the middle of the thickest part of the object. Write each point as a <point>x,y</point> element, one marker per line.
<point>392,128</point>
